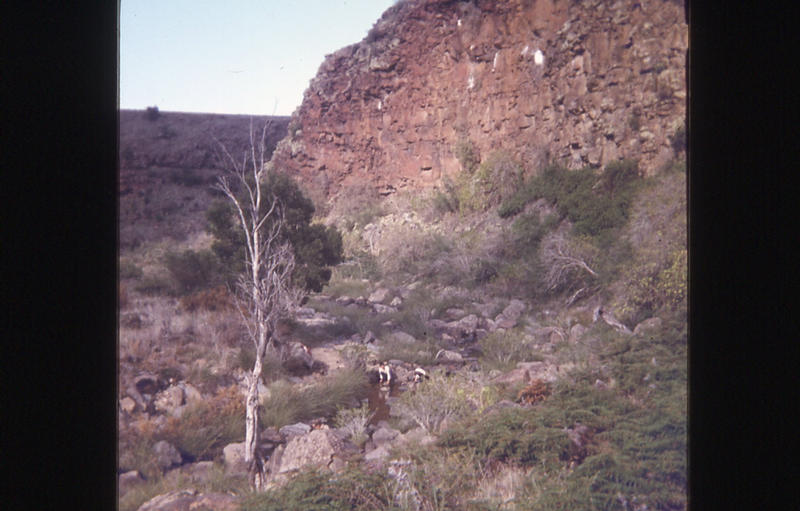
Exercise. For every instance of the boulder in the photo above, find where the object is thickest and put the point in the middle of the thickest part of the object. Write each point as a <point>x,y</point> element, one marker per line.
<point>191,395</point>
<point>647,326</point>
<point>510,315</point>
<point>127,404</point>
<point>190,499</point>
<point>449,356</point>
<point>233,458</point>
<point>377,454</point>
<point>383,309</point>
<point>129,480</point>
<point>401,338</point>
<point>417,435</point>
<point>384,435</point>
<point>396,302</point>
<point>462,329</point>
<point>315,449</point>
<point>293,430</point>
<point>540,370</point>
<point>166,456</point>
<point>378,296</point>
<point>168,400</point>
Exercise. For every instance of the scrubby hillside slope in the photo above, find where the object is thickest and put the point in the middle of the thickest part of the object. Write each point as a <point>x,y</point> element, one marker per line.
<point>544,299</point>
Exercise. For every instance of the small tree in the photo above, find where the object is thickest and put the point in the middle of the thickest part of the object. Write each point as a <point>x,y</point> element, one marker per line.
<point>265,290</point>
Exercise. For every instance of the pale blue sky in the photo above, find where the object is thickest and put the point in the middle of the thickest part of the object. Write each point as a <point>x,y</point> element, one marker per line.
<point>232,56</point>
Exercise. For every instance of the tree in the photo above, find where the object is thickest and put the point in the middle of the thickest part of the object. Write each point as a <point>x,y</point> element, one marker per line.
<point>270,214</point>
<point>316,247</point>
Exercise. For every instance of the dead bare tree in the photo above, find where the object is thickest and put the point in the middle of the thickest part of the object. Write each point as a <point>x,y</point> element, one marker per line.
<point>564,260</point>
<point>264,291</point>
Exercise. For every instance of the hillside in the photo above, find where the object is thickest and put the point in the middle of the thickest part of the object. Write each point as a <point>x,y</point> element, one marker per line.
<point>167,164</point>
<point>513,224</point>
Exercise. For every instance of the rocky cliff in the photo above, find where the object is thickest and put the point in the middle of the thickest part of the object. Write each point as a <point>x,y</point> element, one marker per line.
<point>583,82</point>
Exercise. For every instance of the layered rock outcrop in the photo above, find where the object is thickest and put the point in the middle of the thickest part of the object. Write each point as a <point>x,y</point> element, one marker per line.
<point>583,82</point>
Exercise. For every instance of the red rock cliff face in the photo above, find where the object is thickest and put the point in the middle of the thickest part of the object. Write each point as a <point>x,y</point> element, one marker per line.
<point>584,82</point>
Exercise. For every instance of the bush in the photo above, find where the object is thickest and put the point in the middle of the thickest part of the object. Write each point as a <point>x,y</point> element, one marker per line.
<point>678,139</point>
<point>442,399</point>
<point>467,155</point>
<point>193,270</point>
<point>215,299</point>
<point>152,113</point>
<point>502,350</point>
<point>288,404</point>
<point>353,422</point>
<point>511,435</point>
<point>323,491</point>
<point>202,431</point>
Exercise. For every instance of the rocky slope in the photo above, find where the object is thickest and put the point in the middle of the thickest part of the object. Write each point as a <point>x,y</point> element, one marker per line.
<point>167,165</point>
<point>584,82</point>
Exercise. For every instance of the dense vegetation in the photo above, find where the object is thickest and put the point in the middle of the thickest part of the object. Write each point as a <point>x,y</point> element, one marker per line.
<point>609,433</point>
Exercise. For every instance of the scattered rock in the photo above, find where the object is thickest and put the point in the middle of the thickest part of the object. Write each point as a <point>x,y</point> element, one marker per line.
<point>401,338</point>
<point>384,435</point>
<point>127,404</point>
<point>293,430</point>
<point>344,300</point>
<point>233,458</point>
<point>316,448</point>
<point>383,309</point>
<point>378,296</point>
<point>168,400</point>
<point>510,315</point>
<point>166,456</point>
<point>396,302</point>
<point>378,454</point>
<point>190,499</point>
<point>540,370</point>
<point>449,356</point>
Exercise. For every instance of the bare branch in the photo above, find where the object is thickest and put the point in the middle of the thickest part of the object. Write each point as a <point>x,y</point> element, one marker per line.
<point>563,261</point>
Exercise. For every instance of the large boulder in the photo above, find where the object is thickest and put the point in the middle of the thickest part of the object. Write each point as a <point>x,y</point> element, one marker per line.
<point>379,295</point>
<point>169,400</point>
<point>384,435</point>
<point>510,315</point>
<point>233,458</point>
<point>463,329</point>
<point>166,455</point>
<point>315,449</point>
<point>293,430</point>
<point>540,370</point>
<point>190,499</point>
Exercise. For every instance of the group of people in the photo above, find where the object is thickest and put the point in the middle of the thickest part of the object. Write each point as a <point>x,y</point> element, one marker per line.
<point>386,375</point>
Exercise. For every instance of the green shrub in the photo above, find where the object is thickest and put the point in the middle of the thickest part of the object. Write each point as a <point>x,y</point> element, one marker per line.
<point>288,404</point>
<point>678,139</point>
<point>152,113</point>
<point>205,428</point>
<point>352,488</point>
<point>155,284</point>
<point>193,270</point>
<point>511,435</point>
<point>502,350</point>
<point>467,155</point>
<point>353,422</point>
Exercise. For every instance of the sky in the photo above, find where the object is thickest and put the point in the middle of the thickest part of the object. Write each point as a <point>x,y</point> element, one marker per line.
<point>232,56</point>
